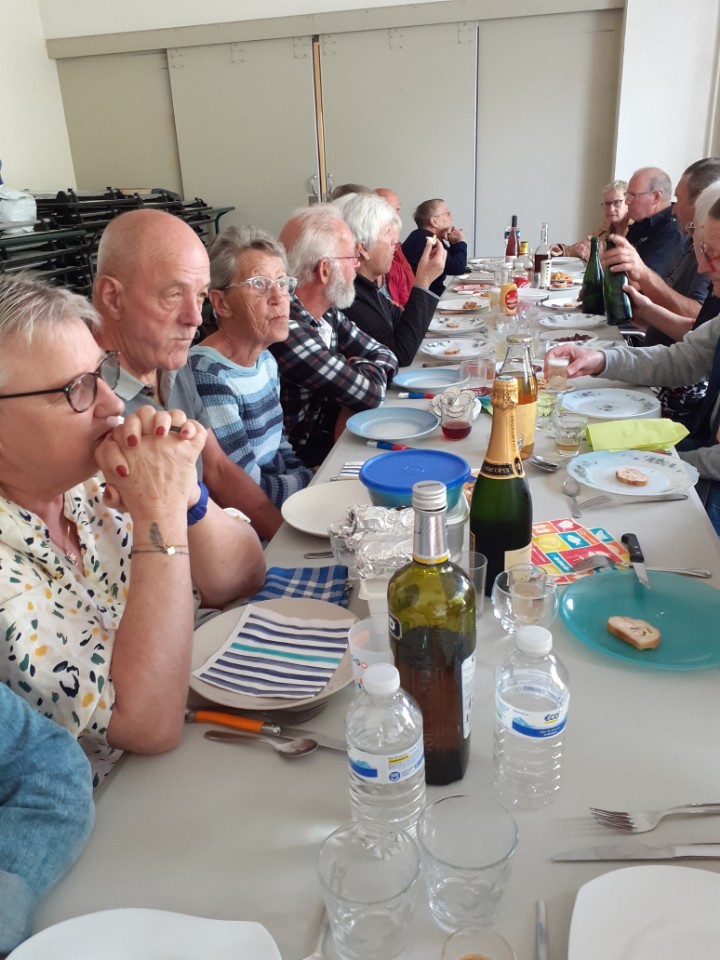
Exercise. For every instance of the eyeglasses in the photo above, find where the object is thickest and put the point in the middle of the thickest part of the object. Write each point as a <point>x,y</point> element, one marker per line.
<point>80,393</point>
<point>690,228</point>
<point>612,203</point>
<point>354,256</point>
<point>711,257</point>
<point>263,285</point>
<point>631,196</point>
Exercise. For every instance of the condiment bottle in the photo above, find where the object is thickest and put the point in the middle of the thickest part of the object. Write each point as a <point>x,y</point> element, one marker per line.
<point>508,294</point>
<point>518,364</point>
<point>431,603</point>
<point>501,508</point>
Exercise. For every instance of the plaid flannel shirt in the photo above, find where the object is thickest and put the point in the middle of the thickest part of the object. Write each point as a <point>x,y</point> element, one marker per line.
<point>353,371</point>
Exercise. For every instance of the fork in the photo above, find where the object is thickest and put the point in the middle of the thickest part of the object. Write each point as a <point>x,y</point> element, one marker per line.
<point>641,821</point>
<point>596,561</point>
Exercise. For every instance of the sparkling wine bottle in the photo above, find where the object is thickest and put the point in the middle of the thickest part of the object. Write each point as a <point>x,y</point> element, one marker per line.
<point>593,297</point>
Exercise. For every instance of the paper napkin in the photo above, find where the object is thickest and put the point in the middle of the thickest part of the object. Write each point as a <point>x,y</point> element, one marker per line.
<point>271,655</point>
<point>650,434</point>
<point>558,544</point>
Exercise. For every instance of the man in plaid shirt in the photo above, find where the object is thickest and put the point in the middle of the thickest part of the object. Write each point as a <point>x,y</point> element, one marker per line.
<point>328,367</point>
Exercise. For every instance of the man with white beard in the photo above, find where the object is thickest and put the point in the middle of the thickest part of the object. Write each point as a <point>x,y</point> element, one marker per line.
<point>328,367</point>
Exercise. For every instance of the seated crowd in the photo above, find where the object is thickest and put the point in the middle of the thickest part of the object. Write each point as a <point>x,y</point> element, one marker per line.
<point>140,474</point>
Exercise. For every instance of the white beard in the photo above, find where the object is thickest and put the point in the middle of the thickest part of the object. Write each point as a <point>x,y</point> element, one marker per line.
<point>339,293</point>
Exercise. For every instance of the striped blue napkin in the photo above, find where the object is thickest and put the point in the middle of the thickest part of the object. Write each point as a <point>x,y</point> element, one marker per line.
<point>328,583</point>
<point>271,655</point>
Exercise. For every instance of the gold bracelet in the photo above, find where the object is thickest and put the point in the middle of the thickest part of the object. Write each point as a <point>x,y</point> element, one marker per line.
<point>169,549</point>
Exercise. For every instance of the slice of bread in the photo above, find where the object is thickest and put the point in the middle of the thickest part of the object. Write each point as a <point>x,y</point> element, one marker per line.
<point>638,633</point>
<point>632,476</point>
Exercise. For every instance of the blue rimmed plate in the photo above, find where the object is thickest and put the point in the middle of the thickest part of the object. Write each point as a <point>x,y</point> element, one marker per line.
<point>665,473</point>
<point>685,612</point>
<point>428,380</point>
<point>392,423</point>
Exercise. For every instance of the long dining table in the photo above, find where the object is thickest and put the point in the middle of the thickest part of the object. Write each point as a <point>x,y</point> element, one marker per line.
<point>232,832</point>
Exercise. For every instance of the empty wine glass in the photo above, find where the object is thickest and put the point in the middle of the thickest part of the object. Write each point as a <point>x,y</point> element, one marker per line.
<point>524,595</point>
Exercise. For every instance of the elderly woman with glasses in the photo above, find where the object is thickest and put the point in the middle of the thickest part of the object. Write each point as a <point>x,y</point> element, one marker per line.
<point>235,373</point>
<point>376,230</point>
<point>97,643</point>
<point>615,217</point>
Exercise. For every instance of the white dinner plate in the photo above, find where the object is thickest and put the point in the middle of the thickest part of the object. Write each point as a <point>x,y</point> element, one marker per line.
<point>311,510</point>
<point>213,633</point>
<point>568,264</point>
<point>532,294</point>
<point>581,321</point>
<point>148,935</point>
<point>428,380</point>
<point>457,326</point>
<point>565,335</point>
<point>454,349</point>
<point>610,404</point>
<point>654,912</point>
<point>479,301</point>
<point>666,474</point>
<point>392,423</point>
<point>563,304</point>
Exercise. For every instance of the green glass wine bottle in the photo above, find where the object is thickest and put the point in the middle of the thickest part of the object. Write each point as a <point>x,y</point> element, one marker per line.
<point>593,295</point>
<point>501,507</point>
<point>431,604</point>
<point>618,309</point>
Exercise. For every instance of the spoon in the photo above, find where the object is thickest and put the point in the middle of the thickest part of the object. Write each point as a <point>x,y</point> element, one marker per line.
<point>543,464</point>
<point>289,749</point>
<point>571,488</point>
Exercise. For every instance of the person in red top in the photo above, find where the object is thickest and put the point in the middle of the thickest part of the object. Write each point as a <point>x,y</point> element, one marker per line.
<point>400,278</point>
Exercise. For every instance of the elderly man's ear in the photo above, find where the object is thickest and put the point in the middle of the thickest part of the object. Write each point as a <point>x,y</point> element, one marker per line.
<point>107,296</point>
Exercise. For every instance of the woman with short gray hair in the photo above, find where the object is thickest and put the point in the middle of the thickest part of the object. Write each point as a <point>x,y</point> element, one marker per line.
<point>376,230</point>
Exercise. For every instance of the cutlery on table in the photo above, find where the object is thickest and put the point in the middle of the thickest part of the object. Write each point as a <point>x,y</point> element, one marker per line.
<point>633,850</point>
<point>616,501</point>
<point>253,725</point>
<point>542,464</point>
<point>571,489</point>
<point>288,749</point>
<point>641,821</point>
<point>637,558</point>
<point>319,554</point>
<point>541,935</point>
<point>597,561</point>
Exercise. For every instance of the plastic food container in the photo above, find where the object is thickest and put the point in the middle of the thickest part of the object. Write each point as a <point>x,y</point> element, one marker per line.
<point>389,477</point>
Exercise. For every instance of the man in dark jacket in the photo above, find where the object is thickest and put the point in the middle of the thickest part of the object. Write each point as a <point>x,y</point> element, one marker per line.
<point>433,219</point>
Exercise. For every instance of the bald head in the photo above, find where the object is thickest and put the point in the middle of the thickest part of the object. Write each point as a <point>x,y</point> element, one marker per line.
<point>390,197</point>
<point>134,240</point>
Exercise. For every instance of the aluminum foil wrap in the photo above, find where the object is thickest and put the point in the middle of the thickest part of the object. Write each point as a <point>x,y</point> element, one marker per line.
<point>380,537</point>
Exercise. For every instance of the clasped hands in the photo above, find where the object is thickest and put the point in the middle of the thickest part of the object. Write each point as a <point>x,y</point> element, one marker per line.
<point>150,459</point>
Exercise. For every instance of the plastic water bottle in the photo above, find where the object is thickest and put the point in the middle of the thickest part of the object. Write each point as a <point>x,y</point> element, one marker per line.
<point>531,705</point>
<point>385,751</point>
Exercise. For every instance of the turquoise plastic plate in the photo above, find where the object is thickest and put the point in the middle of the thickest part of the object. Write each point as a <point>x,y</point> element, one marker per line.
<point>685,611</point>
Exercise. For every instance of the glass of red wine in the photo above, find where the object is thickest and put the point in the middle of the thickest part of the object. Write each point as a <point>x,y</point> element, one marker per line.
<point>456,415</point>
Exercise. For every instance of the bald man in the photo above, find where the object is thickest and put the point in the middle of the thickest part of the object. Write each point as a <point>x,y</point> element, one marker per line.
<point>400,278</point>
<point>152,278</point>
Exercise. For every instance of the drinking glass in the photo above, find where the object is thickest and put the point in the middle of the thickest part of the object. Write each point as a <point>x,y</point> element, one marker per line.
<point>569,432</point>
<point>467,844</point>
<point>456,414</point>
<point>368,872</point>
<point>477,943</point>
<point>524,595</point>
<point>479,372</point>
<point>475,566</point>
<point>369,642</point>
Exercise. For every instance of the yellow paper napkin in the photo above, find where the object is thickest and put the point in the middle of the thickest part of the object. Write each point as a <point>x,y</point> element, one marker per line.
<point>650,434</point>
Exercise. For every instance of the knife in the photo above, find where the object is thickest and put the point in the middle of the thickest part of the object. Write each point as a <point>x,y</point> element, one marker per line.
<point>632,850</point>
<point>636,558</point>
<point>253,725</point>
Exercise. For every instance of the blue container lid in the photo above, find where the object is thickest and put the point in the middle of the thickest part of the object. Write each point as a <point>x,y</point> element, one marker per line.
<point>397,471</point>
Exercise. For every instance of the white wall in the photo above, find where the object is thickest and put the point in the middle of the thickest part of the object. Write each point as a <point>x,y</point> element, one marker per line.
<point>669,85</point>
<point>80,18</point>
<point>34,144</point>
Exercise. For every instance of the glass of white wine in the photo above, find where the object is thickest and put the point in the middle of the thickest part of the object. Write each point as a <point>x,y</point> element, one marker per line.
<point>524,595</point>
<point>569,432</point>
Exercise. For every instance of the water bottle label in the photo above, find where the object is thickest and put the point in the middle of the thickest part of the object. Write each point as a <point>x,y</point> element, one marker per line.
<point>537,724</point>
<point>467,674</point>
<point>390,769</point>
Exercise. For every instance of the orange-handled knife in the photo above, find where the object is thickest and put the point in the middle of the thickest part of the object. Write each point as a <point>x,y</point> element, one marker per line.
<point>250,724</point>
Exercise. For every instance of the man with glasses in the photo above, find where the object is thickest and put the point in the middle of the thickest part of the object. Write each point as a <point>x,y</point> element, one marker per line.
<point>695,357</point>
<point>654,233</point>
<point>328,367</point>
<point>152,280</point>
<point>683,290</point>
<point>433,219</point>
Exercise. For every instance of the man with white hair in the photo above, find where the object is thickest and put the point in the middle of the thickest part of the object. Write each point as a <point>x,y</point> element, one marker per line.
<point>328,367</point>
<point>376,229</point>
<point>654,232</point>
<point>683,289</point>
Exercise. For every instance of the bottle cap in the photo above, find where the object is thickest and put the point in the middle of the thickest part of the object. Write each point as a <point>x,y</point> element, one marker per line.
<point>429,495</point>
<point>381,679</point>
<point>535,640</point>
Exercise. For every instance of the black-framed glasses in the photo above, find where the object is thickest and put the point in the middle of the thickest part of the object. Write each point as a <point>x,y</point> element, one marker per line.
<point>80,393</point>
<point>641,193</point>
<point>263,285</point>
<point>712,258</point>
<point>613,203</point>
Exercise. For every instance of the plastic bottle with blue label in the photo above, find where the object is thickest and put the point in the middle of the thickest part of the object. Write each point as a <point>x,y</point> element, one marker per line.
<point>386,760</point>
<point>531,707</point>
